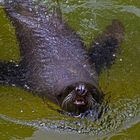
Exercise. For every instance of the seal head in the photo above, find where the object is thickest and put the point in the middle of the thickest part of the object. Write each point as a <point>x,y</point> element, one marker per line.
<point>80,97</point>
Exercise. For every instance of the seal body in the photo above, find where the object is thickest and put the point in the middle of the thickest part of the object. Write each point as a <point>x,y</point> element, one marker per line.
<point>55,61</point>
<point>52,54</point>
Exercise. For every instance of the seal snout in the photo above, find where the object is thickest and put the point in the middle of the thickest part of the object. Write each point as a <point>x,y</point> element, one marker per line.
<point>81,93</point>
<point>81,90</point>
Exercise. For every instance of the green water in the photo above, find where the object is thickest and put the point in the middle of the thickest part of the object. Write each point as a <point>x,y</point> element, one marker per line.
<point>24,116</point>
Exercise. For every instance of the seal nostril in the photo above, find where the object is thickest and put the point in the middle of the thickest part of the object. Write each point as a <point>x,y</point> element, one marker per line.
<point>84,92</point>
<point>81,92</point>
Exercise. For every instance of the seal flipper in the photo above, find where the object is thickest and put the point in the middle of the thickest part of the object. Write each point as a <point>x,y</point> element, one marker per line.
<point>104,48</point>
<point>11,74</point>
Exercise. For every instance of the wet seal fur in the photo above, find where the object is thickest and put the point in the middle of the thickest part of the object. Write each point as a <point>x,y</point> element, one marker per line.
<point>54,62</point>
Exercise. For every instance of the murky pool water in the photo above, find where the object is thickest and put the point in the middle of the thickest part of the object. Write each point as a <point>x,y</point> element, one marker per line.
<point>24,116</point>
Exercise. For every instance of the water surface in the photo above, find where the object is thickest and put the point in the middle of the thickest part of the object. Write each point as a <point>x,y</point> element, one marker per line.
<point>24,116</point>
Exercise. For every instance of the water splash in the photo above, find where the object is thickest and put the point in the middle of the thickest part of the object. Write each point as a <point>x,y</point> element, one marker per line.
<point>121,114</point>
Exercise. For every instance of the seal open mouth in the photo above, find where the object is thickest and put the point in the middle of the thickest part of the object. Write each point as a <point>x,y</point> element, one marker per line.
<point>80,101</point>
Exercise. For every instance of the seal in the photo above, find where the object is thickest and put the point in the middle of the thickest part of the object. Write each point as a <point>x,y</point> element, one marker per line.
<point>54,61</point>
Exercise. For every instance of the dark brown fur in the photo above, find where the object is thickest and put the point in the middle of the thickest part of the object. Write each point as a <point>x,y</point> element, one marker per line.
<point>52,54</point>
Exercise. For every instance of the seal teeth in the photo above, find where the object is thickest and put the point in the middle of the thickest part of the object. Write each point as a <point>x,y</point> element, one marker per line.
<point>79,102</point>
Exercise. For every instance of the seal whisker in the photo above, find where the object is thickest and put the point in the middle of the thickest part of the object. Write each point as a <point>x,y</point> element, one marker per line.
<point>67,99</point>
<point>91,100</point>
